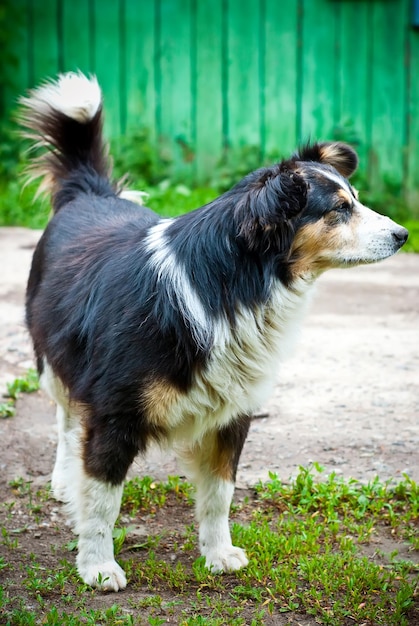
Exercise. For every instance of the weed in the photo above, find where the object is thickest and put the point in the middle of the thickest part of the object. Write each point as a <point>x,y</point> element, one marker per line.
<point>7,409</point>
<point>23,488</point>
<point>153,601</point>
<point>156,621</point>
<point>118,535</point>
<point>28,384</point>
<point>144,494</point>
<point>112,616</point>
<point>190,538</point>
<point>8,541</point>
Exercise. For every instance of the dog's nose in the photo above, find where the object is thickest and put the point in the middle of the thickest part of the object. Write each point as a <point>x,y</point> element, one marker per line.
<point>400,235</point>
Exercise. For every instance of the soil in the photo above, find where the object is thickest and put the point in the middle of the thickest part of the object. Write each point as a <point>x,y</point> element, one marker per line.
<point>348,398</point>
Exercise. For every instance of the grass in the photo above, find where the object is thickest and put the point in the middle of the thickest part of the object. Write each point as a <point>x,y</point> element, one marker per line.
<point>28,384</point>
<point>335,550</point>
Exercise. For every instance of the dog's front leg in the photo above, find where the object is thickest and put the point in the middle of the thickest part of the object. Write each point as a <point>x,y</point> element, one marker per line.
<point>212,509</point>
<point>99,505</point>
<point>213,465</point>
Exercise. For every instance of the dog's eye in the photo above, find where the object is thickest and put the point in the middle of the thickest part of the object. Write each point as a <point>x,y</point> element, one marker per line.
<point>341,212</point>
<point>343,207</point>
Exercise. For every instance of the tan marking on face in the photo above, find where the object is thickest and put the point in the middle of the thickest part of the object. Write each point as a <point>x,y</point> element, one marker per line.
<point>318,246</point>
<point>158,399</point>
<point>344,195</point>
<point>308,246</point>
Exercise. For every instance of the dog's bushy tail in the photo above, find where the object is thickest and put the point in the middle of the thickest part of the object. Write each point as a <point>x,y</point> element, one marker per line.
<point>64,118</point>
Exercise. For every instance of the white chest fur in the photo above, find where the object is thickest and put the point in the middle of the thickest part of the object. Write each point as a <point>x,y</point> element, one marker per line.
<point>242,367</point>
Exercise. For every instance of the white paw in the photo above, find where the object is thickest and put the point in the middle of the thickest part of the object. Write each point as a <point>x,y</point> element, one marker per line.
<point>58,489</point>
<point>227,559</point>
<point>107,576</point>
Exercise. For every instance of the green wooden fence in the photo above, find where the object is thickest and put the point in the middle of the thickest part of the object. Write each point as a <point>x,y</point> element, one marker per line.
<point>207,77</point>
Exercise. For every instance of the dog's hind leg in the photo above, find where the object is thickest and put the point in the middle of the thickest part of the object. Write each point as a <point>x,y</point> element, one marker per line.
<point>66,422</point>
<point>60,473</point>
<point>212,465</point>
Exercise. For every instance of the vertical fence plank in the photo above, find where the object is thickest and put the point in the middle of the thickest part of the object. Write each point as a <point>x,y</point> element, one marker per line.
<point>45,40</point>
<point>280,77</point>
<point>106,60</point>
<point>353,121</point>
<point>76,39</point>
<point>175,97</point>
<point>319,56</point>
<point>243,99</point>
<point>139,67</point>
<point>208,76</point>
<point>387,93</point>
<point>412,118</point>
<point>15,73</point>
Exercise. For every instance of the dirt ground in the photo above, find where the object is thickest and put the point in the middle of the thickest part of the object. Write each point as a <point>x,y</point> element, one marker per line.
<point>347,399</point>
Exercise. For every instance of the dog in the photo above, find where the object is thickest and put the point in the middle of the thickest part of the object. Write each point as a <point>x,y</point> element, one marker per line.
<point>147,329</point>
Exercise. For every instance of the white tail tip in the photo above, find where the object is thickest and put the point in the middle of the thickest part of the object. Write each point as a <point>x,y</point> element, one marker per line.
<point>73,94</point>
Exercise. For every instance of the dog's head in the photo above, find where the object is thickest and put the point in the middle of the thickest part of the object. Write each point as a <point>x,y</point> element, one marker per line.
<point>306,211</point>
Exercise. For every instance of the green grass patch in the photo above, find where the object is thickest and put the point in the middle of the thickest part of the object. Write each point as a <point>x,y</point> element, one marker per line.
<point>28,384</point>
<point>337,551</point>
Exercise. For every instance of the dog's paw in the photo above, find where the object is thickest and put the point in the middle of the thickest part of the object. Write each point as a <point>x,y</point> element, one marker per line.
<point>107,576</point>
<point>227,559</point>
<point>59,483</point>
<point>58,489</point>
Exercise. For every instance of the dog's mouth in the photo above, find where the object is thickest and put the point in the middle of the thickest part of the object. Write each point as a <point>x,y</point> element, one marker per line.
<point>367,260</point>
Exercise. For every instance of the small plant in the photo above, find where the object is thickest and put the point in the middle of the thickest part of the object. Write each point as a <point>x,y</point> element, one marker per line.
<point>7,409</point>
<point>28,384</point>
<point>143,494</point>
<point>155,621</point>
<point>148,495</point>
<point>7,539</point>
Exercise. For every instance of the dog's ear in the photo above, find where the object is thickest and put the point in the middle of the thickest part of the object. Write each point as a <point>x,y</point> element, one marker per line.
<point>340,155</point>
<point>267,211</point>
